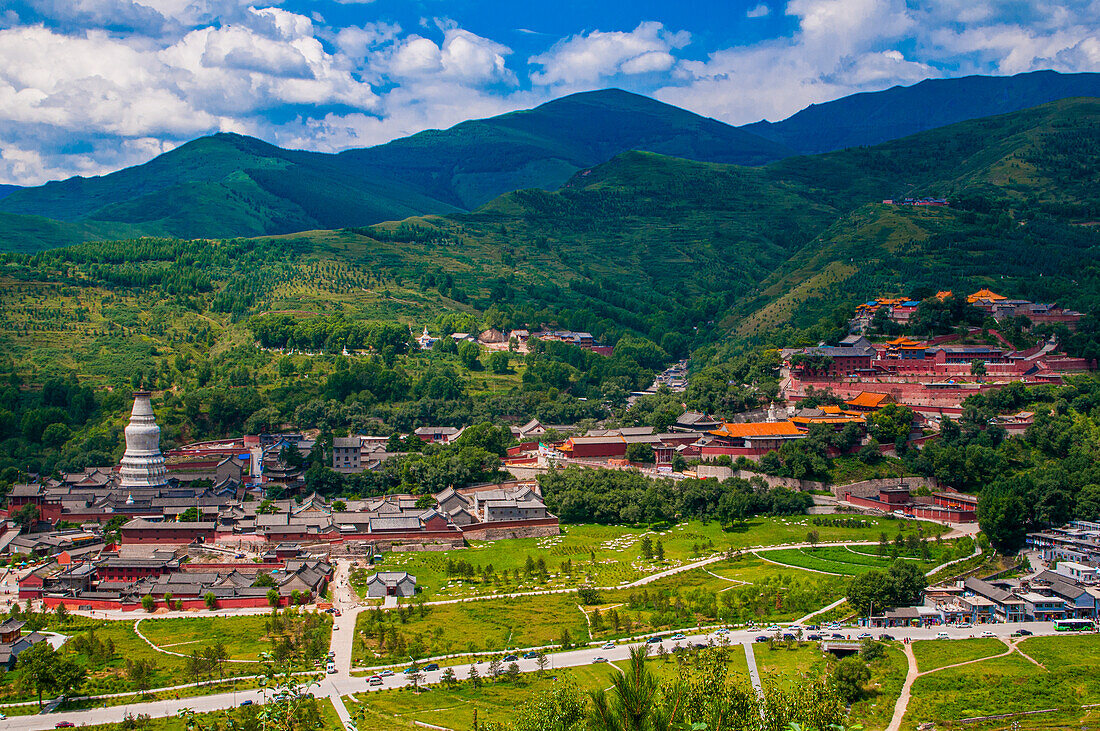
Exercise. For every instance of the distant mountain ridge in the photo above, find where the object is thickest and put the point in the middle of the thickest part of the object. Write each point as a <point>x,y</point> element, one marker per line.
<point>881,116</point>
<point>229,185</point>
<point>6,190</point>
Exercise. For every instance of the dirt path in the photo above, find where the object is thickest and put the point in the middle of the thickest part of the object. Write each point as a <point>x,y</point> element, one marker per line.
<point>903,699</point>
<point>913,673</point>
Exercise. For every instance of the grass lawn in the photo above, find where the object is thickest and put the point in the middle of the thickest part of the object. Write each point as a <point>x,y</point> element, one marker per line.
<point>932,654</point>
<point>474,626</point>
<point>887,676</point>
<point>785,664</point>
<point>1002,685</point>
<point>244,637</point>
<point>107,673</point>
<point>834,560</point>
<point>454,708</point>
<point>610,555</point>
<point>329,719</point>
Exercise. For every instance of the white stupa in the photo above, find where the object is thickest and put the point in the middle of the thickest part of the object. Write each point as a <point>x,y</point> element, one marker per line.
<point>142,465</point>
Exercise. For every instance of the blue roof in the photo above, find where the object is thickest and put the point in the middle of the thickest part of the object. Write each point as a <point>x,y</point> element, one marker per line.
<point>910,303</point>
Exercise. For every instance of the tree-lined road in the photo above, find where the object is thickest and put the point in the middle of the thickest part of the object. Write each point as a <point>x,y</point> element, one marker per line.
<point>342,683</point>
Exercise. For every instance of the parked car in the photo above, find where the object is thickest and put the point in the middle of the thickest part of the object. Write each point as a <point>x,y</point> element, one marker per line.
<point>942,636</point>
<point>837,636</point>
<point>886,638</point>
<point>608,646</point>
<point>533,655</point>
<point>409,670</point>
<point>246,703</point>
<point>599,659</point>
<point>788,636</point>
<point>385,673</point>
<point>653,641</point>
<point>722,631</point>
<point>701,645</point>
<point>965,625</point>
<point>762,638</point>
<point>64,724</point>
<point>1023,633</point>
<point>678,636</point>
<point>866,636</point>
<point>987,633</point>
<point>431,666</point>
<point>834,626</point>
<point>814,637</point>
<point>812,626</point>
<point>331,668</point>
<point>511,658</point>
<point>375,680</point>
<point>772,628</point>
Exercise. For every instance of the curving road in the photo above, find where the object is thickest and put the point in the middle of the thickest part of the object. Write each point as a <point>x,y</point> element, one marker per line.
<point>342,683</point>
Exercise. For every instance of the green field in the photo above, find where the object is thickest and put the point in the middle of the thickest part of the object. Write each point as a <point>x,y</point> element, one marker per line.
<point>245,637</point>
<point>610,555</point>
<point>330,721</point>
<point>832,560</point>
<point>397,709</point>
<point>932,654</point>
<point>1012,684</point>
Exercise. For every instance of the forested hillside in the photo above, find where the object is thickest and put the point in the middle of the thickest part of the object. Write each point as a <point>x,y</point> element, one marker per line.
<point>657,256</point>
<point>231,185</point>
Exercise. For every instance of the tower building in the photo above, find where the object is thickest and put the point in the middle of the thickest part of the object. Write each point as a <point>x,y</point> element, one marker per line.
<point>142,465</point>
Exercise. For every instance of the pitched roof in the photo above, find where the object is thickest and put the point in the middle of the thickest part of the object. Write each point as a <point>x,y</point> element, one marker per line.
<point>870,399</point>
<point>758,429</point>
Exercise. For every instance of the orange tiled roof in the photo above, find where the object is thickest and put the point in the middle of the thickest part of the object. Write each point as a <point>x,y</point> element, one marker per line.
<point>903,340</point>
<point>984,294</point>
<point>758,429</point>
<point>837,419</point>
<point>869,399</point>
<point>943,294</point>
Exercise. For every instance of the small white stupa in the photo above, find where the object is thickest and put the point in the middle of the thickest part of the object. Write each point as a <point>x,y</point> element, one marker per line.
<point>142,465</point>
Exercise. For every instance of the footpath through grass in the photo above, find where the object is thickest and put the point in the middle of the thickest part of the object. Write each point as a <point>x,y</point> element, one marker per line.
<point>1012,684</point>
<point>726,592</point>
<point>611,555</point>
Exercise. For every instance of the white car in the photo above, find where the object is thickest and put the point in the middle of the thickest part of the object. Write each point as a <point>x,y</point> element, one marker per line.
<point>965,625</point>
<point>942,636</point>
<point>376,680</point>
<point>331,668</point>
<point>987,633</point>
<point>772,628</point>
<point>722,631</point>
<point>609,646</point>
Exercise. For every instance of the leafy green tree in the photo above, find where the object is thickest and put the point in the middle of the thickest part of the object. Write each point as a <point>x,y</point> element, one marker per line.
<point>890,423</point>
<point>148,603</point>
<point>1003,517</point>
<point>850,676</point>
<point>47,671</point>
<point>498,362</point>
<point>640,452</point>
<point>191,515</point>
<point>210,601</point>
<point>273,597</point>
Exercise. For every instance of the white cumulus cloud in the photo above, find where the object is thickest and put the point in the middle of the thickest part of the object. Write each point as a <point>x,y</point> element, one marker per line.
<point>588,57</point>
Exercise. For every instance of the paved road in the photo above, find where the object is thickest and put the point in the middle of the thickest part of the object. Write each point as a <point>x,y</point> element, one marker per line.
<point>343,684</point>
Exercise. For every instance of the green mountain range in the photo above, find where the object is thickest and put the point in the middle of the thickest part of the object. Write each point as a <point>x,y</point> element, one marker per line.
<point>875,117</point>
<point>229,185</point>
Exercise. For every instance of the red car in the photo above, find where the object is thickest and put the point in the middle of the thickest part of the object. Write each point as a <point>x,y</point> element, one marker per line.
<point>64,724</point>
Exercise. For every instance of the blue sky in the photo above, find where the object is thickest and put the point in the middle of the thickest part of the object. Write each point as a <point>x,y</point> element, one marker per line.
<point>89,86</point>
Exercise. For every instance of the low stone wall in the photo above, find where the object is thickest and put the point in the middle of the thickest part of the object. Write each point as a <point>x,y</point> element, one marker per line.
<point>870,488</point>
<point>724,473</point>
<point>491,533</point>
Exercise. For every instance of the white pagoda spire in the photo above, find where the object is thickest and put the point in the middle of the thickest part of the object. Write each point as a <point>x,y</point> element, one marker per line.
<point>142,464</point>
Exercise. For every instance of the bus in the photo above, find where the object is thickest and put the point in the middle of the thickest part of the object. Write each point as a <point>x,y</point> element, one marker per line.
<point>1073,625</point>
